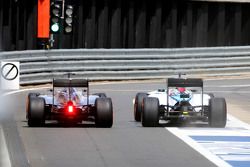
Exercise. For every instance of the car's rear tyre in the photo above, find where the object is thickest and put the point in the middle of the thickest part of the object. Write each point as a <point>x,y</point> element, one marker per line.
<point>150,112</point>
<point>101,95</point>
<point>104,112</point>
<point>33,94</point>
<point>36,108</point>
<point>217,115</point>
<point>138,105</point>
<point>30,95</point>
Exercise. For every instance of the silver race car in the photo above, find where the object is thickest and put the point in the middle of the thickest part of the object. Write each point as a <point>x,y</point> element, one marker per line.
<point>69,102</point>
<point>183,99</point>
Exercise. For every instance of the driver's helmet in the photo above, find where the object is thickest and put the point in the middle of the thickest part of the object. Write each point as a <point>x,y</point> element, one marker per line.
<point>67,93</point>
<point>181,89</point>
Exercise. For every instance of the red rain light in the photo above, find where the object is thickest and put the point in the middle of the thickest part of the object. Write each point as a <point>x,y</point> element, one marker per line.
<point>70,107</point>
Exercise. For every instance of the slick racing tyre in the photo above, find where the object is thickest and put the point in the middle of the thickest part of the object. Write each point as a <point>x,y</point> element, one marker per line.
<point>138,105</point>
<point>33,94</point>
<point>36,108</point>
<point>217,115</point>
<point>150,112</point>
<point>30,95</point>
<point>104,112</point>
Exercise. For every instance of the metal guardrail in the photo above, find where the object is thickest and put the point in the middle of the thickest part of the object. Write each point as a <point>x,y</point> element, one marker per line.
<point>40,66</point>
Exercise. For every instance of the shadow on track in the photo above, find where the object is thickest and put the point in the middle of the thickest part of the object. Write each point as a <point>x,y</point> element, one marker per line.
<point>182,124</point>
<point>55,124</point>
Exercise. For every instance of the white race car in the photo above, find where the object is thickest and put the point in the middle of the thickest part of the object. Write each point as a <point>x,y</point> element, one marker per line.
<point>183,99</point>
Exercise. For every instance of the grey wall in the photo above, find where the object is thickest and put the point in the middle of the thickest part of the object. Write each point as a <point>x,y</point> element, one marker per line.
<point>132,24</point>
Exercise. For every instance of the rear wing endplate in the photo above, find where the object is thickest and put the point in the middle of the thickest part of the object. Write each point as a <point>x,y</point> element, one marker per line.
<point>70,83</point>
<point>181,82</point>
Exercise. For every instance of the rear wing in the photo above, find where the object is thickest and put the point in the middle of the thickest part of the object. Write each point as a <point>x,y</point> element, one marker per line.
<point>70,83</point>
<point>180,82</point>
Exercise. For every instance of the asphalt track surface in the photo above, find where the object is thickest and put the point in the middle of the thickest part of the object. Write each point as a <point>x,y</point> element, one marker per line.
<point>126,144</point>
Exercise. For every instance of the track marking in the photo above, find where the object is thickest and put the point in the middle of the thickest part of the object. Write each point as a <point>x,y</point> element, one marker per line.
<point>224,147</point>
<point>227,86</point>
<point>213,158</point>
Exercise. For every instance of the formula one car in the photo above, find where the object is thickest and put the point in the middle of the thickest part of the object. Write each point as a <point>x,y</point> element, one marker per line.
<point>182,100</point>
<point>69,102</point>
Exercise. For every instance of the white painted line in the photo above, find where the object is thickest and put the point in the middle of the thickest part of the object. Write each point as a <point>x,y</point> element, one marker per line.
<point>218,152</point>
<point>4,154</point>
<point>236,157</point>
<point>238,122</point>
<point>227,91</point>
<point>213,158</point>
<point>227,86</point>
<point>23,90</point>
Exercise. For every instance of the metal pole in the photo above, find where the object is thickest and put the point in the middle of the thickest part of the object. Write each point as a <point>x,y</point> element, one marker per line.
<point>87,92</point>
<point>62,18</point>
<point>51,41</point>
<point>53,94</point>
<point>63,6</point>
<point>167,98</point>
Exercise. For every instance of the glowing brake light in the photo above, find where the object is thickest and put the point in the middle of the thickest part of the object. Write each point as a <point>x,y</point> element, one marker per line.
<point>70,108</point>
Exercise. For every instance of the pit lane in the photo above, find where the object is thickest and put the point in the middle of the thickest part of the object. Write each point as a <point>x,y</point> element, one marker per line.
<point>126,144</point>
